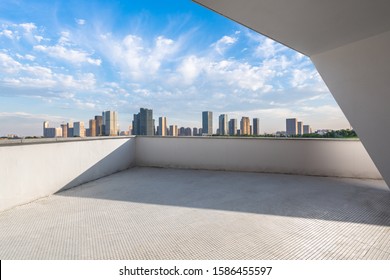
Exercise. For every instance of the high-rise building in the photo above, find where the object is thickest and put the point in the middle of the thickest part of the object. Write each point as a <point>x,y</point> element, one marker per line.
<point>99,125</point>
<point>195,131</point>
<point>207,123</point>
<point>245,126</point>
<point>291,127</point>
<point>162,126</point>
<point>110,123</point>
<point>92,128</point>
<point>223,124</point>
<point>78,129</point>
<point>64,128</point>
<point>173,130</point>
<point>300,129</point>
<point>143,123</point>
<point>307,129</point>
<point>256,126</point>
<point>233,127</point>
<point>70,129</point>
<point>181,131</point>
<point>45,127</point>
<point>188,131</point>
<point>51,132</point>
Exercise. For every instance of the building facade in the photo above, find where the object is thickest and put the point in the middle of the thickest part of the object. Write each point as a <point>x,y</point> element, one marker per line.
<point>207,123</point>
<point>223,125</point>
<point>256,126</point>
<point>110,123</point>
<point>233,127</point>
<point>92,128</point>
<point>306,129</point>
<point>245,126</point>
<point>300,128</point>
<point>143,123</point>
<point>291,127</point>
<point>162,126</point>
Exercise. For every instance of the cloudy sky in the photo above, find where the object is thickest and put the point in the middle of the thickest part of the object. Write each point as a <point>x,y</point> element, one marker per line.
<point>69,60</point>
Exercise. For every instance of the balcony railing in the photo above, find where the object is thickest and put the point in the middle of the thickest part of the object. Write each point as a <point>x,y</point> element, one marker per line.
<point>37,168</point>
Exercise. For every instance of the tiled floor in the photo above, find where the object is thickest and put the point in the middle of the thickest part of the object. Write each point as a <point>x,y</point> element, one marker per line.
<point>150,213</point>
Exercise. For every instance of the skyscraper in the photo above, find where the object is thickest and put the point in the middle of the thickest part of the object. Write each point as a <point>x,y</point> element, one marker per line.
<point>92,128</point>
<point>70,129</point>
<point>233,127</point>
<point>207,123</point>
<point>78,129</point>
<point>300,129</point>
<point>51,132</point>
<point>245,126</point>
<point>256,126</point>
<point>173,130</point>
<point>223,124</point>
<point>99,125</point>
<point>110,123</point>
<point>291,127</point>
<point>162,126</point>
<point>306,129</point>
<point>143,123</point>
<point>64,128</point>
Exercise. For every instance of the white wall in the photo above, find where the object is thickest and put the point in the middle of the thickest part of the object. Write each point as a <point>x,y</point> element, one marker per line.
<point>340,158</point>
<point>357,74</point>
<point>32,171</point>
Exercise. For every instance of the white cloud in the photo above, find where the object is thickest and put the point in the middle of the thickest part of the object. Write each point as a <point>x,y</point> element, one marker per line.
<point>70,55</point>
<point>7,33</point>
<point>135,57</point>
<point>28,27</point>
<point>80,21</point>
<point>8,64</point>
<point>35,76</point>
<point>222,44</point>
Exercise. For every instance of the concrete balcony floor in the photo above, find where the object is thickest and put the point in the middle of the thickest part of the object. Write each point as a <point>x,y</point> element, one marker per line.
<point>152,213</point>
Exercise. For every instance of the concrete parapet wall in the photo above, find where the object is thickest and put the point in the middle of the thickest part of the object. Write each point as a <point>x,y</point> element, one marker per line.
<point>37,168</point>
<point>319,157</point>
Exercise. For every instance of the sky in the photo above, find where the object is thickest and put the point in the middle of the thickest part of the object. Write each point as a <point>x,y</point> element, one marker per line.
<point>68,60</point>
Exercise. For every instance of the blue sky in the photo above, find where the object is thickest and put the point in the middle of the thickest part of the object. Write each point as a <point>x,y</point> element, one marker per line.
<point>69,60</point>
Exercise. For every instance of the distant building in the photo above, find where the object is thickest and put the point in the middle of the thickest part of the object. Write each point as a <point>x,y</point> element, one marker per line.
<point>92,128</point>
<point>64,128</point>
<point>51,132</point>
<point>78,129</point>
<point>162,126</point>
<point>256,126</point>
<point>188,131</point>
<point>181,131</point>
<point>207,123</point>
<point>233,127</point>
<point>300,128</point>
<point>223,125</point>
<point>45,127</point>
<point>307,129</point>
<point>245,126</point>
<point>195,131</point>
<point>70,129</point>
<point>291,127</point>
<point>173,130</point>
<point>110,123</point>
<point>99,125</point>
<point>143,123</point>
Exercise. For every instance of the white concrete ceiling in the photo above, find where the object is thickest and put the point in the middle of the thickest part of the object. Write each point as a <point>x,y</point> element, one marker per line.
<point>308,26</point>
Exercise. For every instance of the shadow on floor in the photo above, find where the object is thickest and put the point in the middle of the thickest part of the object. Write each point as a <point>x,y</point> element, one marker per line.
<point>344,200</point>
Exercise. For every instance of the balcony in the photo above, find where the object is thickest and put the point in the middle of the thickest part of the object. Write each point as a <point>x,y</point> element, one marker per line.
<point>192,198</point>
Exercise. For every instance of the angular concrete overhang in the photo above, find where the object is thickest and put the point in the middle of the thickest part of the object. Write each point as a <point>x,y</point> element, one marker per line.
<point>349,43</point>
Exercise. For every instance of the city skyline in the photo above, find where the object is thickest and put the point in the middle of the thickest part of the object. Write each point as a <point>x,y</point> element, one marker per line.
<point>145,124</point>
<point>65,60</point>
